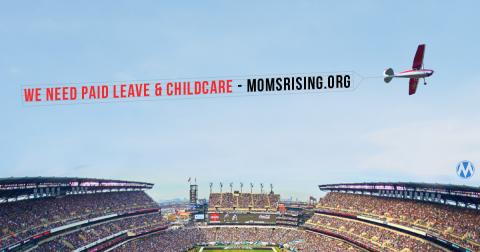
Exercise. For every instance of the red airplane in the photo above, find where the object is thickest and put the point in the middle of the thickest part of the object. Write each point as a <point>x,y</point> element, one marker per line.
<point>416,73</point>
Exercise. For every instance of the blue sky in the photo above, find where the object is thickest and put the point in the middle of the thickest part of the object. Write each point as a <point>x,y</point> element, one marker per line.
<point>376,133</point>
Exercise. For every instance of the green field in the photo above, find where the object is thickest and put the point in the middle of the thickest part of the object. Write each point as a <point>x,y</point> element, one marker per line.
<point>226,249</point>
<point>238,250</point>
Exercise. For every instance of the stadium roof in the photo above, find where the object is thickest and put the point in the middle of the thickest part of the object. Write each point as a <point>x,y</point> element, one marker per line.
<point>26,186</point>
<point>457,193</point>
<point>382,185</point>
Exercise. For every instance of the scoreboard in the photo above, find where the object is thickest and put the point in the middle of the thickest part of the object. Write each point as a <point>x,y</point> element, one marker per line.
<point>242,218</point>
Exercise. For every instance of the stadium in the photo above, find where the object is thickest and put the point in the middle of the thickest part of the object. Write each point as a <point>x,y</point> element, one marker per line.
<point>87,214</point>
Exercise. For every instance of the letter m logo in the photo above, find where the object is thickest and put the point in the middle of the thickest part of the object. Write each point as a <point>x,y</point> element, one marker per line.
<point>465,169</point>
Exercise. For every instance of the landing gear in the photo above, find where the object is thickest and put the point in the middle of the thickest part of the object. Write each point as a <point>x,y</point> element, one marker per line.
<point>424,82</point>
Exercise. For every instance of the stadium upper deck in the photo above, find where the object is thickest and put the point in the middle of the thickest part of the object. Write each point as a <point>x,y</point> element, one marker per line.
<point>459,195</point>
<point>33,209</point>
<point>244,201</point>
<point>12,189</point>
<point>446,213</point>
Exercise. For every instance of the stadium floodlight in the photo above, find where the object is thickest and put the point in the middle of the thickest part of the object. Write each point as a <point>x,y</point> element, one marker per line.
<point>211,185</point>
<point>221,187</point>
<point>251,187</point>
<point>231,187</point>
<point>271,188</point>
<point>261,187</point>
<point>241,187</point>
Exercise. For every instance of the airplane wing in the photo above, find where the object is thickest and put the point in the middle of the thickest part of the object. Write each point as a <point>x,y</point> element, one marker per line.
<point>418,60</point>
<point>412,87</point>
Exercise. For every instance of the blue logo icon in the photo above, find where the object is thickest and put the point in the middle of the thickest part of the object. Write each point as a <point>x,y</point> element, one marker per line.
<point>465,169</point>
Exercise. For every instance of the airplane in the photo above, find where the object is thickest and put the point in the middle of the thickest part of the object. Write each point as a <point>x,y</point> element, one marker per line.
<point>417,72</point>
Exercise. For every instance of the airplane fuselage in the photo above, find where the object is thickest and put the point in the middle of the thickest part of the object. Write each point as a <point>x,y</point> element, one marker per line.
<point>417,74</point>
<point>414,74</point>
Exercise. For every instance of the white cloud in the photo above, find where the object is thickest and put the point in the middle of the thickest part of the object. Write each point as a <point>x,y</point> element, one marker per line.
<point>14,70</point>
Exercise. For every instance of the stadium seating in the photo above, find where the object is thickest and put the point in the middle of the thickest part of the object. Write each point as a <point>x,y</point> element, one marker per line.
<point>22,219</point>
<point>456,224</point>
<point>382,238</point>
<point>91,234</point>
<point>244,201</point>
<point>184,239</point>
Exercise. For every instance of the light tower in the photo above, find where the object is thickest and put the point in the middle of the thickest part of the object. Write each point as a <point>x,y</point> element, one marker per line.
<point>194,192</point>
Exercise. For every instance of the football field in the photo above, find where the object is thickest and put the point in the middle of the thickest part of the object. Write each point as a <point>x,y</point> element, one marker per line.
<point>236,249</point>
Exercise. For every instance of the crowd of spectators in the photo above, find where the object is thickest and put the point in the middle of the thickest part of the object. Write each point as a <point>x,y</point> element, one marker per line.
<point>175,240</point>
<point>90,234</point>
<point>456,224</point>
<point>383,238</point>
<point>22,219</point>
<point>251,201</point>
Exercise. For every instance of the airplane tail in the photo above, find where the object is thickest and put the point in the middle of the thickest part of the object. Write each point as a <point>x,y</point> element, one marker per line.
<point>388,75</point>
